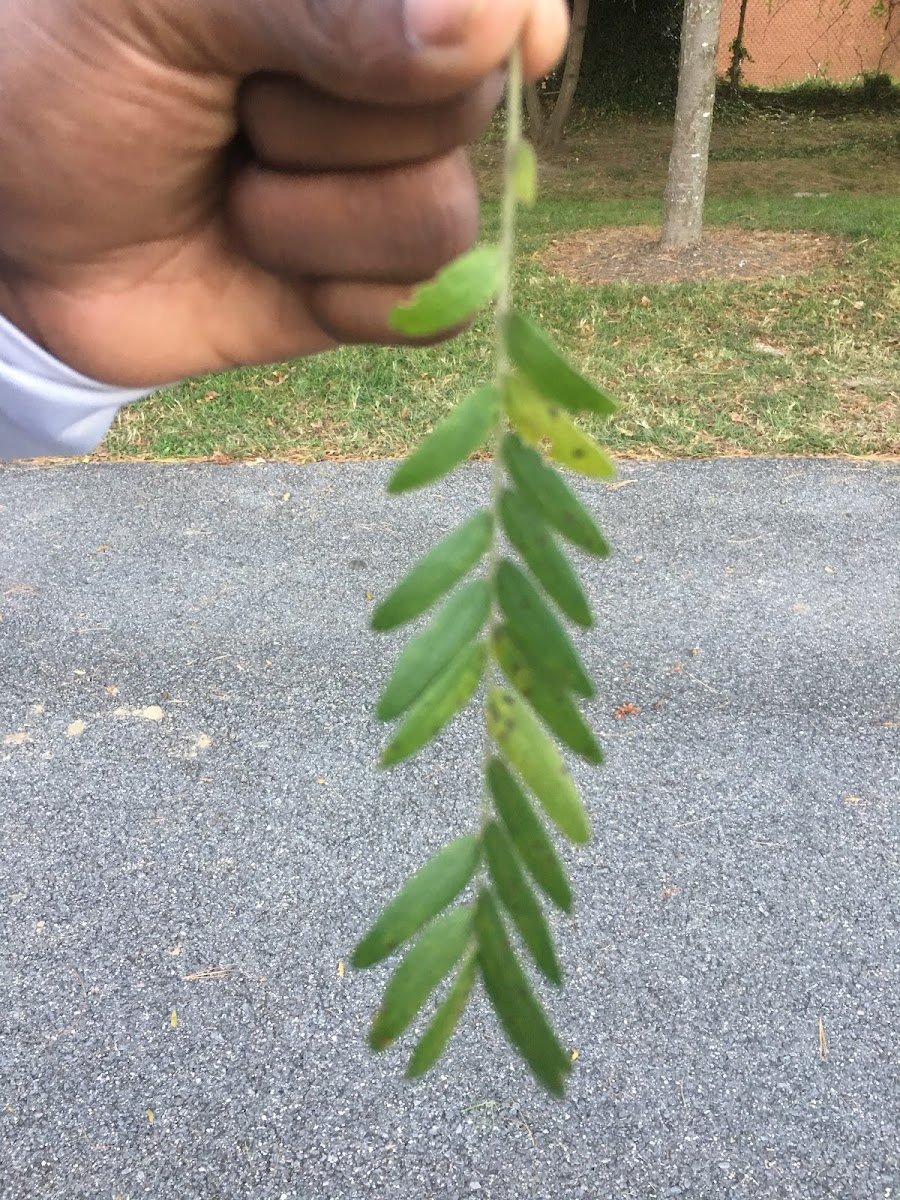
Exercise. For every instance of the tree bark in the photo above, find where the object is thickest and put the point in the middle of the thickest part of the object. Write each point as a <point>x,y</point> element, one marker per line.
<point>535,110</point>
<point>572,70</point>
<point>689,160</point>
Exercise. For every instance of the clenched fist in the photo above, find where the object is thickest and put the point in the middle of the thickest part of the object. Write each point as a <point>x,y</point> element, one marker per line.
<point>192,185</point>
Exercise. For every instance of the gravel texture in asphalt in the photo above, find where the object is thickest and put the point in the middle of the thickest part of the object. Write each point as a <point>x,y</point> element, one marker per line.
<point>194,834</point>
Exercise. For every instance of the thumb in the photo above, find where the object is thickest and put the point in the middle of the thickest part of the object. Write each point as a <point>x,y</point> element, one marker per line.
<point>381,51</point>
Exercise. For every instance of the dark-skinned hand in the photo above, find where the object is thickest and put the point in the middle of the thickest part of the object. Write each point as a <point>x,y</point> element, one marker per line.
<point>192,185</point>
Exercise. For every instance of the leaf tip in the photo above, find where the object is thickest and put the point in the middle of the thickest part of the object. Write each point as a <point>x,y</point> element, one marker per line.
<point>378,1041</point>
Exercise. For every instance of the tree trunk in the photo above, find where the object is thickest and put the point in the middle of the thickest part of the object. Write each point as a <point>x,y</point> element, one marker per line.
<point>535,110</point>
<point>571,72</point>
<point>686,182</point>
<point>738,51</point>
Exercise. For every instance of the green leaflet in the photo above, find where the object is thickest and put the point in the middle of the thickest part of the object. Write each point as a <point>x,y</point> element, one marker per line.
<point>426,655</point>
<point>546,489</point>
<point>451,442</point>
<point>520,1013</point>
<point>441,701</point>
<point>533,625</point>
<point>525,828</point>
<point>536,418</point>
<point>524,172</point>
<point>546,370</point>
<point>439,1032</point>
<point>524,743</point>
<point>454,295</point>
<point>534,541</point>
<point>435,573</point>
<point>433,956</point>
<point>431,889</point>
<point>516,896</point>
<point>553,705</point>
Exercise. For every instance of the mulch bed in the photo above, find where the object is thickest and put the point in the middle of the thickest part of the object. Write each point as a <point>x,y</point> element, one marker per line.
<point>631,254</point>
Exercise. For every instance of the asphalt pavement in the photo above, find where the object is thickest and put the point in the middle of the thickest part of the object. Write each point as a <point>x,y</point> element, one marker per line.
<point>194,833</point>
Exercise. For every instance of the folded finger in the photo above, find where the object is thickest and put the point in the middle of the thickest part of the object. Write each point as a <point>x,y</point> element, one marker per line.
<point>291,125</point>
<point>391,225</point>
<point>350,311</point>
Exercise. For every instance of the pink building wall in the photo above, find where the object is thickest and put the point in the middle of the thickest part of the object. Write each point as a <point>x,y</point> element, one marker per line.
<point>791,40</point>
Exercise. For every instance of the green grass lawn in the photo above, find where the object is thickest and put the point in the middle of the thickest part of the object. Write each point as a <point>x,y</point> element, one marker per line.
<point>801,366</point>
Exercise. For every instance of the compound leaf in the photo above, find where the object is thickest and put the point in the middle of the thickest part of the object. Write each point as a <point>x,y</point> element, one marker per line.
<point>537,393</point>
<point>435,573</point>
<point>432,958</point>
<point>527,747</point>
<point>436,883</point>
<point>454,295</point>
<point>451,442</point>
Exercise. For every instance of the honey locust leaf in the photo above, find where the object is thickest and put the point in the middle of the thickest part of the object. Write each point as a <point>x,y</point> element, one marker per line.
<point>454,295</point>
<point>438,704</point>
<point>526,829</point>
<point>436,883</point>
<point>429,960</point>
<point>520,1013</point>
<point>548,372</point>
<point>436,572</point>
<point>548,492</point>
<point>515,894</point>
<point>535,627</point>
<point>451,442</point>
<point>537,546</point>
<point>427,653</point>
<point>524,172</point>
<point>438,1034</point>
<point>536,418</point>
<point>530,751</point>
<point>553,705</point>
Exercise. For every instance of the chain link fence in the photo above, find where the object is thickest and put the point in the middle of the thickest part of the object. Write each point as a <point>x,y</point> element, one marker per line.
<point>786,41</point>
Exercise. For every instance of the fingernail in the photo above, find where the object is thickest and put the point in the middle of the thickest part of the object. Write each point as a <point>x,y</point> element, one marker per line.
<point>438,22</point>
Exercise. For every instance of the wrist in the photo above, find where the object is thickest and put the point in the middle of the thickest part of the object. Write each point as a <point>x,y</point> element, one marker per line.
<point>18,307</point>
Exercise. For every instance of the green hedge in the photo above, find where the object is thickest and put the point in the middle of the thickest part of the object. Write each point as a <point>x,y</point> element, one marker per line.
<point>868,93</point>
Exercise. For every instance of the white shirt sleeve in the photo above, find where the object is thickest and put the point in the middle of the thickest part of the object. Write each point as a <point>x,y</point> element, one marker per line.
<point>46,408</point>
